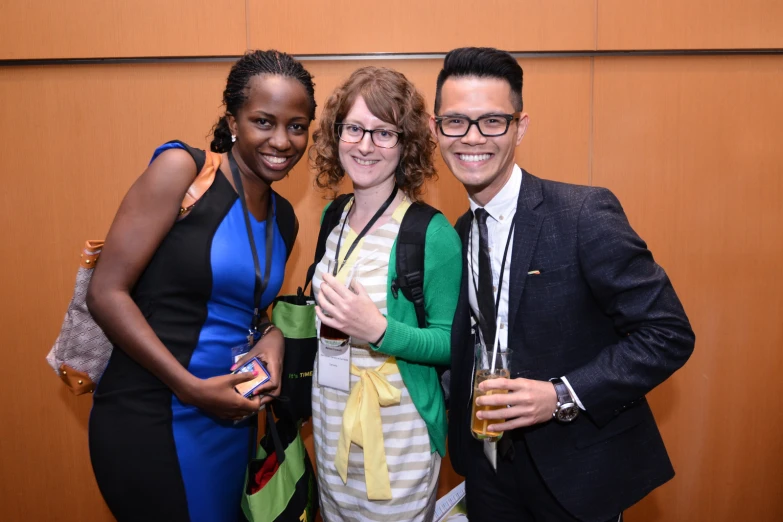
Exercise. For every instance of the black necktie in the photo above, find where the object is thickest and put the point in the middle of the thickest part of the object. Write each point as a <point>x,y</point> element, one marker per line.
<point>486,295</point>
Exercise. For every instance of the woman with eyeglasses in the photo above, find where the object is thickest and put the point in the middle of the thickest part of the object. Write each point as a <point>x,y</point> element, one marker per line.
<point>379,418</point>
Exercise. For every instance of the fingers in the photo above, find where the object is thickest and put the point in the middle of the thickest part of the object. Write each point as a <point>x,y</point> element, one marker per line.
<point>242,361</point>
<point>335,287</point>
<point>501,384</point>
<point>510,425</point>
<point>358,288</point>
<point>238,378</point>
<point>326,302</point>
<point>328,320</point>
<point>254,403</point>
<point>243,411</point>
<point>319,312</point>
<point>527,402</point>
<point>499,399</point>
<point>269,394</point>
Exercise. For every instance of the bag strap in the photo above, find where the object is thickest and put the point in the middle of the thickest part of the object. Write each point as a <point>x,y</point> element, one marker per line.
<point>271,427</point>
<point>410,257</point>
<point>201,184</point>
<point>286,222</point>
<point>330,220</point>
<point>207,165</point>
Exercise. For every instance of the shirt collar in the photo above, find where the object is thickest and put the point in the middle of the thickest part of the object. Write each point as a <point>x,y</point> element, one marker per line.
<point>504,204</point>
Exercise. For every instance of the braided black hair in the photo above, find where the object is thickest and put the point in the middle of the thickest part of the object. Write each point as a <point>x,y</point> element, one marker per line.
<point>252,64</point>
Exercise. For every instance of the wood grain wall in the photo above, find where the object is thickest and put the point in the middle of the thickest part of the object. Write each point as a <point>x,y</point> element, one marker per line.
<point>690,144</point>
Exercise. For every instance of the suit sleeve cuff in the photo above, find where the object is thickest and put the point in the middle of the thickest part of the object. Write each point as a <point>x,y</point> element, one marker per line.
<point>573,393</point>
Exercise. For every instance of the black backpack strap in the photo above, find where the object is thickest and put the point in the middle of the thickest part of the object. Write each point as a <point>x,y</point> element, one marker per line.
<point>410,256</point>
<point>286,222</point>
<point>330,220</point>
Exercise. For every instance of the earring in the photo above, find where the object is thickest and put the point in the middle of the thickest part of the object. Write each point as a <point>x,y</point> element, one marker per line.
<point>233,138</point>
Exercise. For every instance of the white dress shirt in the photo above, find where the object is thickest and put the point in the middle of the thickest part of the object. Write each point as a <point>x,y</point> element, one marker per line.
<point>501,210</point>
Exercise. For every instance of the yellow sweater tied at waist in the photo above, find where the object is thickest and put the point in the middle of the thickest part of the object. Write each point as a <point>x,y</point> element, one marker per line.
<point>362,425</point>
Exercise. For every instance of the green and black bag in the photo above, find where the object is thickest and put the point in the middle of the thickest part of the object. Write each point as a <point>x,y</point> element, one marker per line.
<point>280,485</point>
<point>294,315</point>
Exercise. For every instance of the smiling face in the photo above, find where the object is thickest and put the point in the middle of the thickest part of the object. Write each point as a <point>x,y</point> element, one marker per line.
<point>482,164</point>
<point>271,128</point>
<point>366,164</point>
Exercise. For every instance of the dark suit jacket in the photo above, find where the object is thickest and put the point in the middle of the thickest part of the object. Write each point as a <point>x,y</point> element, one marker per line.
<point>603,314</point>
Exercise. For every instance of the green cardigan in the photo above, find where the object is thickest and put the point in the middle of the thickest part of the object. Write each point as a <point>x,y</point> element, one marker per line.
<point>416,349</point>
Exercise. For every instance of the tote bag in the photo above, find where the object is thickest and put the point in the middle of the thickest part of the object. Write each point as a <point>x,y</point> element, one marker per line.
<point>280,484</point>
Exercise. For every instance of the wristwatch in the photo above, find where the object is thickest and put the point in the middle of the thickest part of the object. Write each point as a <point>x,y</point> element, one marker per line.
<point>566,410</point>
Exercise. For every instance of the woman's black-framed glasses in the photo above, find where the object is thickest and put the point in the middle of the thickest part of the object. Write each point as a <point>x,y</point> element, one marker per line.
<point>352,133</point>
<point>490,126</point>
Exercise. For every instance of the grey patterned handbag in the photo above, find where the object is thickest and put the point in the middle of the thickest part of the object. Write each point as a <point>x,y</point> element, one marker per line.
<point>81,352</point>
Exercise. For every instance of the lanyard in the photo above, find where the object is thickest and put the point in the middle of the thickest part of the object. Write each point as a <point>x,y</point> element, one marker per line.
<point>502,267</point>
<point>260,285</point>
<point>364,231</point>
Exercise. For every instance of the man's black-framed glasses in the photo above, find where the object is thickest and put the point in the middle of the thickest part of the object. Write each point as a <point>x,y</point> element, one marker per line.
<point>490,126</point>
<point>352,133</point>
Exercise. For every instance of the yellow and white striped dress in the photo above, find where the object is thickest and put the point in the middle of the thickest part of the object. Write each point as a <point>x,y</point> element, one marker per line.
<point>413,467</point>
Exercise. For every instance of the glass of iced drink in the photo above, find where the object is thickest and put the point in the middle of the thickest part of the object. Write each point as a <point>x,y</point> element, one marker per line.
<point>485,372</point>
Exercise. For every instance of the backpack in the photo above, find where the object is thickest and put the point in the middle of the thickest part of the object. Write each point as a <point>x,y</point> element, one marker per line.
<point>410,250</point>
<point>410,261</point>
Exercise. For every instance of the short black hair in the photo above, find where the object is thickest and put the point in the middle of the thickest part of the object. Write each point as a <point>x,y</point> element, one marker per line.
<point>482,62</point>
<point>255,63</point>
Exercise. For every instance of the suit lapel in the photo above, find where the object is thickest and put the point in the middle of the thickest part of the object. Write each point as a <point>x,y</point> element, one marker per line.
<point>527,226</point>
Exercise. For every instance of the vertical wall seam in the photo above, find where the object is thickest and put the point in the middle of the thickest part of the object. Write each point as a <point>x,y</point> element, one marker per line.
<point>595,26</point>
<point>591,134</point>
<point>247,25</point>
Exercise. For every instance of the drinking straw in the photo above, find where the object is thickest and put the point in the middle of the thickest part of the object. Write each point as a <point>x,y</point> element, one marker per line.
<point>358,262</point>
<point>492,366</point>
<point>495,347</point>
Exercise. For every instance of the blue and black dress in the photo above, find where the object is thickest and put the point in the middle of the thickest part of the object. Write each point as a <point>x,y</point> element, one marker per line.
<point>155,458</point>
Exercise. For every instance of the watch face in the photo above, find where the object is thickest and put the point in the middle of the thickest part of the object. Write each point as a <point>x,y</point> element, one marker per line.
<point>567,412</point>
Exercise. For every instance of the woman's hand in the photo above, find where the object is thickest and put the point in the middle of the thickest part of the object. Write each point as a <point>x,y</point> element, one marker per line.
<point>217,396</point>
<point>349,310</point>
<point>271,350</point>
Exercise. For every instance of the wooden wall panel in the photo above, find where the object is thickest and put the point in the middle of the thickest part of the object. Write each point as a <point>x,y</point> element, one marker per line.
<point>412,26</point>
<point>689,24</point>
<point>117,28</point>
<point>74,139</point>
<point>691,148</point>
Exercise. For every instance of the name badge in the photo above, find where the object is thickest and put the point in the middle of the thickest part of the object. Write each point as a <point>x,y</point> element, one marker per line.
<point>334,365</point>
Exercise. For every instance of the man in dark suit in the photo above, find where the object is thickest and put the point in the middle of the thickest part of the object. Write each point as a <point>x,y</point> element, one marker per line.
<point>557,275</point>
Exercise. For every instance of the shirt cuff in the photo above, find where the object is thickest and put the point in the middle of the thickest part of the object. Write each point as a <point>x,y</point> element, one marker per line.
<point>573,394</point>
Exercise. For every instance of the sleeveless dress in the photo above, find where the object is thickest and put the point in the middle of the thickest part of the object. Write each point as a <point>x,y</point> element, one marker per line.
<point>155,458</point>
<point>413,466</point>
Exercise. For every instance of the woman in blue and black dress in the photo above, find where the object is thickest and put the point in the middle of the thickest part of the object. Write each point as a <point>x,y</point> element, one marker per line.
<point>176,295</point>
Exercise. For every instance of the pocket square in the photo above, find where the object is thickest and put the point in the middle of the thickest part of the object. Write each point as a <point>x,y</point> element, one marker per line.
<point>534,272</point>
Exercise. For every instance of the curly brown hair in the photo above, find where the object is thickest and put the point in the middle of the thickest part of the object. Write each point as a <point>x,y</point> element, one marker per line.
<point>392,98</point>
